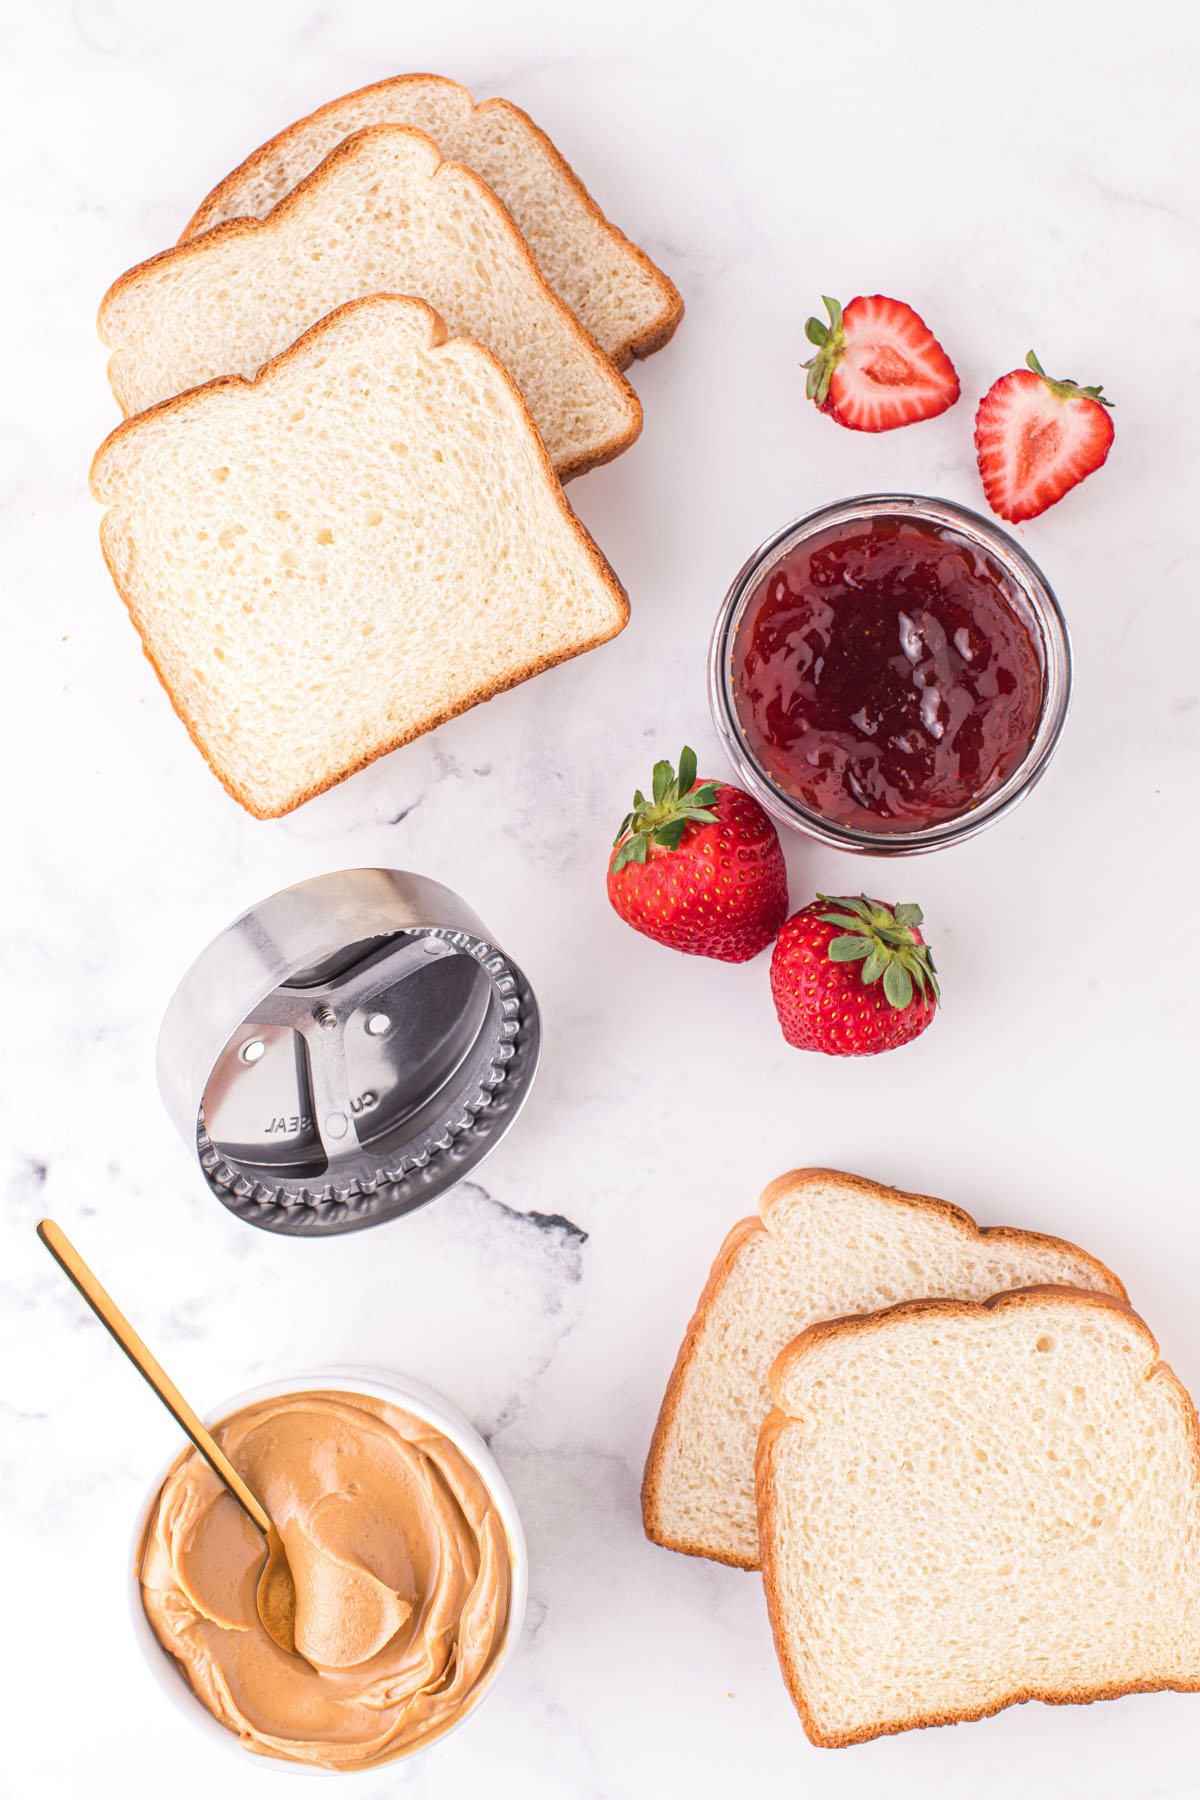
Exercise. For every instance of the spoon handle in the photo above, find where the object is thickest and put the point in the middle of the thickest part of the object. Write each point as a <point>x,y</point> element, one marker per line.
<point>114,1320</point>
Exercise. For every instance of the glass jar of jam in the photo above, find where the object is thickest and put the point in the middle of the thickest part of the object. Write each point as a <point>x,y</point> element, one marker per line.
<point>890,674</point>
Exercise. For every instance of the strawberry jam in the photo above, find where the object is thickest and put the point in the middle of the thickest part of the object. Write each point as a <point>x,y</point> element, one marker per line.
<point>883,676</point>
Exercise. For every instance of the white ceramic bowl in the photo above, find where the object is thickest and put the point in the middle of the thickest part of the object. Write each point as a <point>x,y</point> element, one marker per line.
<point>415,1398</point>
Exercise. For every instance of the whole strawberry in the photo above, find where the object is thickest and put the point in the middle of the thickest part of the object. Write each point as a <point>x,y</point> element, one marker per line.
<point>853,977</point>
<point>698,867</point>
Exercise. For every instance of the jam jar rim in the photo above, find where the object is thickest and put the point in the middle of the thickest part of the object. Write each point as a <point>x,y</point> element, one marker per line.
<point>1057,674</point>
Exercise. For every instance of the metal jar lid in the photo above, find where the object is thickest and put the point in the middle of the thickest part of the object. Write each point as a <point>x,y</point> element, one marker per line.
<point>347,1050</point>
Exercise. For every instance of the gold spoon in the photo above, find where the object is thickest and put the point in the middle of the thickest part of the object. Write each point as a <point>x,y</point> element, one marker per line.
<point>276,1596</point>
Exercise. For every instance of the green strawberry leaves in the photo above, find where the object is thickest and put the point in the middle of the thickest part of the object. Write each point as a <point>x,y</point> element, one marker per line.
<point>664,775</point>
<point>830,345</point>
<point>636,850</point>
<point>1067,389</point>
<point>676,802</point>
<point>670,836</point>
<point>875,964</point>
<point>897,986</point>
<point>848,949</point>
<point>884,939</point>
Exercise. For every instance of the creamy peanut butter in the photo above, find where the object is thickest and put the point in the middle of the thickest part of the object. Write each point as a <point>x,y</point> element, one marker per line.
<point>401,1568</point>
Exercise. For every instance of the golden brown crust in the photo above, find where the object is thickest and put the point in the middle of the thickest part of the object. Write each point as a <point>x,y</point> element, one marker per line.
<point>585,344</point>
<point>214,203</point>
<point>437,338</point>
<point>213,207</point>
<point>650,340</point>
<point>784,1187</point>
<point>779,1420</point>
<point>1013,1234</point>
<point>717,1277</point>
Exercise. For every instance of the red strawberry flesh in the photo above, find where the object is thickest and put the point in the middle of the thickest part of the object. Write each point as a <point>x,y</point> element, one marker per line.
<point>1035,439</point>
<point>878,366</point>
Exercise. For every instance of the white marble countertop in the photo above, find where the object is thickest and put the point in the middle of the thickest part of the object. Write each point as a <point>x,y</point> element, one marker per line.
<point>1020,174</point>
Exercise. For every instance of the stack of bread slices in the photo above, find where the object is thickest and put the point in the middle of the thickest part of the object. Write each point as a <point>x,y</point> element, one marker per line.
<point>352,391</point>
<point>954,1454</point>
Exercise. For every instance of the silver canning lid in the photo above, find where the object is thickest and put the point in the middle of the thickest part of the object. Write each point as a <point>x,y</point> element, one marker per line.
<point>347,1050</point>
<point>1033,598</point>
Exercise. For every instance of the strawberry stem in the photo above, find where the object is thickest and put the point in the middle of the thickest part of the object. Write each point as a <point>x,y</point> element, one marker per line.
<point>676,802</point>
<point>884,939</point>
<point>831,344</point>
<point>1067,389</point>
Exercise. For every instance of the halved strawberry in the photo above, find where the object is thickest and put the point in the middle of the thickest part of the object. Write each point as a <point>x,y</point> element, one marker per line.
<point>878,365</point>
<point>1036,438</point>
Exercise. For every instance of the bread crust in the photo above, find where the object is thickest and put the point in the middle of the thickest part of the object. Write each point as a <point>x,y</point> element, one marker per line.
<point>486,691</point>
<point>585,344</point>
<point>779,1420</point>
<point>756,1226</point>
<point>718,1275</point>
<point>653,338</point>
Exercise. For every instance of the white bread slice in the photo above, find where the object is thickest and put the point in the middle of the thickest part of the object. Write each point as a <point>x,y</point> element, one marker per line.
<point>627,304</point>
<point>825,1244</point>
<point>383,214</point>
<point>965,1506</point>
<point>334,558</point>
